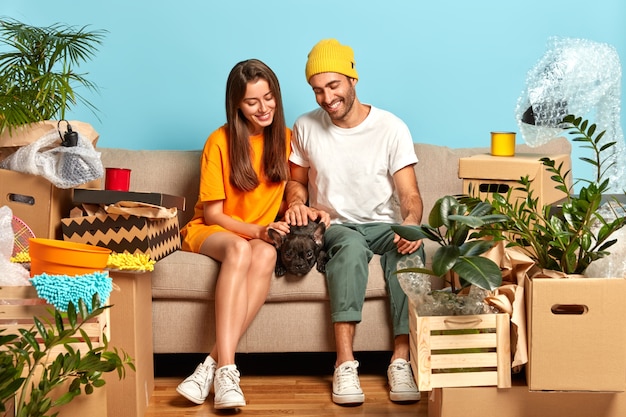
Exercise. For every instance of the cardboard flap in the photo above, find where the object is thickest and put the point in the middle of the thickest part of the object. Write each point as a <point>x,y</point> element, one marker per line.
<point>27,134</point>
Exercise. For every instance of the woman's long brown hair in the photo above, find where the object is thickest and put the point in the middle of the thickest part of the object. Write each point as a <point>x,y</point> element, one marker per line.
<point>274,165</point>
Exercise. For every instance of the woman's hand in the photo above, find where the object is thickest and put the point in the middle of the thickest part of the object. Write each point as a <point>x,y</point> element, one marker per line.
<point>280,227</point>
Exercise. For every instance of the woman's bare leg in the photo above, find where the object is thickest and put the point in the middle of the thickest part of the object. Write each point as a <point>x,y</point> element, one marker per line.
<point>241,290</point>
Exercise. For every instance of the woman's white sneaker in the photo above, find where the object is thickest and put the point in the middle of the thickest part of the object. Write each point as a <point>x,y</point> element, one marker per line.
<point>226,387</point>
<point>402,385</point>
<point>346,384</point>
<point>196,387</point>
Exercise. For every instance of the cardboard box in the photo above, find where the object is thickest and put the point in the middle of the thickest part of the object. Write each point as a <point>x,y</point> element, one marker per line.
<point>484,175</point>
<point>131,331</point>
<point>460,351</point>
<point>576,336</point>
<point>90,196</point>
<point>125,234</point>
<point>518,401</point>
<point>35,201</point>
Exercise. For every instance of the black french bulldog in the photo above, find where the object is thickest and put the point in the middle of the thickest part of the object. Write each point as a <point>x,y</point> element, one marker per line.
<point>300,249</point>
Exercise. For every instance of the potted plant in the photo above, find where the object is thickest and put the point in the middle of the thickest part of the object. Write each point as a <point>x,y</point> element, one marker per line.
<point>38,76</point>
<point>31,372</point>
<point>443,348</point>
<point>567,238</point>
<point>452,223</point>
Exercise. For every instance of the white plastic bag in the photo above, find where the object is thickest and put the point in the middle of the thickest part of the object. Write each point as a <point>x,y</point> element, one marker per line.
<point>65,167</point>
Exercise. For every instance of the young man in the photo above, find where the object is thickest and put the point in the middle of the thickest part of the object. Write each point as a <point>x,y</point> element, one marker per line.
<point>350,161</point>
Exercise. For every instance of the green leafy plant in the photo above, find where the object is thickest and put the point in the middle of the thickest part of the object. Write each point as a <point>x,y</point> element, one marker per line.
<point>29,372</point>
<point>452,223</point>
<point>38,70</point>
<point>570,238</point>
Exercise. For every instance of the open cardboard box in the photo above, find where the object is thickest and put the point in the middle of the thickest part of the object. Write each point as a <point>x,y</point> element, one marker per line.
<point>32,198</point>
<point>484,174</point>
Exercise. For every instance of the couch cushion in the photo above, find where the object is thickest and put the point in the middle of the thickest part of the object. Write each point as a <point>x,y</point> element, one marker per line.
<point>186,275</point>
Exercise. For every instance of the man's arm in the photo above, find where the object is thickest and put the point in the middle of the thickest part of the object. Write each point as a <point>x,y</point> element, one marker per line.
<point>411,206</point>
<point>297,195</point>
<point>296,191</point>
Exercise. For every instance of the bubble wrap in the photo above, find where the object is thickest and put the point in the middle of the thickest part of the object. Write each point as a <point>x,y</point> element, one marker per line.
<point>579,77</point>
<point>417,287</point>
<point>65,167</point>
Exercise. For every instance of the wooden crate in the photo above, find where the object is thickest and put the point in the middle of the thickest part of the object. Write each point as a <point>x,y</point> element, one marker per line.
<point>19,304</point>
<point>460,351</point>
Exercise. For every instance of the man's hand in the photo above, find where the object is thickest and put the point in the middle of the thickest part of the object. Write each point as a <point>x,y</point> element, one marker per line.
<point>299,214</point>
<point>406,246</point>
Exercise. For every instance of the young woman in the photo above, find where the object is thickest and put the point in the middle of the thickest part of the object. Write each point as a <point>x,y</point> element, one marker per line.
<point>244,169</point>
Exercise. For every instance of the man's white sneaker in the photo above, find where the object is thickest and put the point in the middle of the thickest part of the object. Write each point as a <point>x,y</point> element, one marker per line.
<point>346,385</point>
<point>226,386</point>
<point>402,385</point>
<point>196,387</point>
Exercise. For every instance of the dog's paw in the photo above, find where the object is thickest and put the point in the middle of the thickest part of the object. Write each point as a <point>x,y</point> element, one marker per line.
<point>280,270</point>
<point>321,262</point>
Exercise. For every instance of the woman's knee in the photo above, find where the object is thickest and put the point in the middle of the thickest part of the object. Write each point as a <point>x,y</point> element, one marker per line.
<point>263,257</point>
<point>238,251</point>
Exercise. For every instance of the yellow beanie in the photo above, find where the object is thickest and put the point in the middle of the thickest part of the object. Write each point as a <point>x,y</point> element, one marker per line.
<point>328,55</point>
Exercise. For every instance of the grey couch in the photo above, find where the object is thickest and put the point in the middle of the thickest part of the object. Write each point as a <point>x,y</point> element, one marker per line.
<point>295,317</point>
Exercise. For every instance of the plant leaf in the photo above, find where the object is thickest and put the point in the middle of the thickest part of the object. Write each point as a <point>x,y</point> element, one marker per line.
<point>479,271</point>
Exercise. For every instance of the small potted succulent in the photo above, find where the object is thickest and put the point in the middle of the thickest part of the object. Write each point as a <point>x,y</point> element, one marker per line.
<point>453,223</point>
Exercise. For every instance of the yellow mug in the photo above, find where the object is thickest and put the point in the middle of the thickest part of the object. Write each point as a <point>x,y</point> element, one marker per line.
<point>503,143</point>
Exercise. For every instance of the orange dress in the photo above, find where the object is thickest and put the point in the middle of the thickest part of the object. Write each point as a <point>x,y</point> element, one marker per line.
<point>259,206</point>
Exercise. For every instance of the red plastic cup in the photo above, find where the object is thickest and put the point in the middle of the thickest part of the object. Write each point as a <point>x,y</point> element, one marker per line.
<point>117,179</point>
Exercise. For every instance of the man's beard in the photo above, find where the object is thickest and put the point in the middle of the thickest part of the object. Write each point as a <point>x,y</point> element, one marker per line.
<point>348,103</point>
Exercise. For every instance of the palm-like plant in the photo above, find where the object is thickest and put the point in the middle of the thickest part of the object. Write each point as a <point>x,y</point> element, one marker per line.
<point>38,70</point>
<point>451,224</point>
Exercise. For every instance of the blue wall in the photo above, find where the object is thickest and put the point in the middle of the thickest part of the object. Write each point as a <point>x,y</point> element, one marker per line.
<point>452,69</point>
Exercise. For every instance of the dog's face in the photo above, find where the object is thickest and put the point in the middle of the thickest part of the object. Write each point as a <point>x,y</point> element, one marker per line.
<point>300,249</point>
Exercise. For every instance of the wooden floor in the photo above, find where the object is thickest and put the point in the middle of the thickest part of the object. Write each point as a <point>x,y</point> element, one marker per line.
<point>299,396</point>
<point>277,384</point>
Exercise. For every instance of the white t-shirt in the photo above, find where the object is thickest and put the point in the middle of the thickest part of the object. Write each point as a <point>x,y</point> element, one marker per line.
<point>350,170</point>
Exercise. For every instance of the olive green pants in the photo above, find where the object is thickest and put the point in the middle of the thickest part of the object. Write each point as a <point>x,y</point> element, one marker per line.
<point>350,247</point>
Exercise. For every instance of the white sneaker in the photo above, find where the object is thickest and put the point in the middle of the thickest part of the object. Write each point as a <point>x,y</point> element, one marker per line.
<point>346,385</point>
<point>402,385</point>
<point>227,391</point>
<point>197,386</point>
